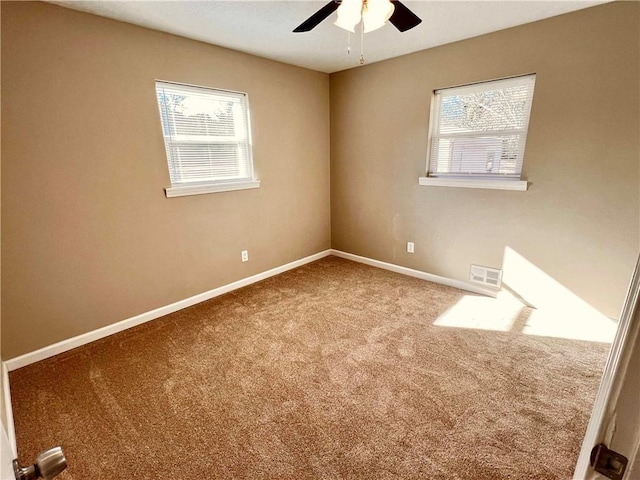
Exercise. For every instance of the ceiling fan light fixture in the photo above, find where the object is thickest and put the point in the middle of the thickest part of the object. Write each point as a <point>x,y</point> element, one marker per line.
<point>375,14</point>
<point>349,14</point>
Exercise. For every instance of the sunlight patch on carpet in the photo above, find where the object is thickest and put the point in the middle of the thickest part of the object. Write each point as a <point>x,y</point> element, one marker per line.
<point>485,313</point>
<point>539,305</point>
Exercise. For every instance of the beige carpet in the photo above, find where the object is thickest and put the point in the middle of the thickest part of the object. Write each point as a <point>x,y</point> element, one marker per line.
<point>333,370</point>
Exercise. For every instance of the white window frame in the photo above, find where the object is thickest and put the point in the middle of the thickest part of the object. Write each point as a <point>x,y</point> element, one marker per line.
<point>210,184</point>
<point>496,182</point>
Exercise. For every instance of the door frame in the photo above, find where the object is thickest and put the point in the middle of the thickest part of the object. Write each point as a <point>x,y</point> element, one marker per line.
<point>600,427</point>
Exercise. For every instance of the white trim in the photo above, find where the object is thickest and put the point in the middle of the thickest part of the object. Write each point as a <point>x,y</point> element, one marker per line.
<point>70,343</point>
<point>11,431</point>
<point>613,376</point>
<point>450,282</point>
<point>74,342</point>
<point>520,185</point>
<point>482,85</point>
<point>213,89</point>
<point>183,190</point>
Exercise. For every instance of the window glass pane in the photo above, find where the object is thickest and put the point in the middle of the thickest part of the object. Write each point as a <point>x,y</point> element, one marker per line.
<point>206,134</point>
<point>204,162</point>
<point>480,130</point>
<point>477,155</point>
<point>503,109</point>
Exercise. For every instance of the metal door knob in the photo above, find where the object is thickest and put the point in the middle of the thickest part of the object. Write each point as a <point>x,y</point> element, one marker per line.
<point>48,465</point>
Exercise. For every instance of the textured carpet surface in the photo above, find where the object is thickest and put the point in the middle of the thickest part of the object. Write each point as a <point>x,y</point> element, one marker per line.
<point>332,370</point>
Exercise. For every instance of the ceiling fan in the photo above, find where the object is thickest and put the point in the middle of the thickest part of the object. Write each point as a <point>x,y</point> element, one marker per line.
<point>372,13</point>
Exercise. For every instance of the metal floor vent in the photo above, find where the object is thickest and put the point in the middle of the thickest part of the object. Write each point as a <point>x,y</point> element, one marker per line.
<point>485,275</point>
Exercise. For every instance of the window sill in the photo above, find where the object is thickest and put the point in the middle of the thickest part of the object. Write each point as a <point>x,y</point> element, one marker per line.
<point>520,185</point>
<point>213,188</point>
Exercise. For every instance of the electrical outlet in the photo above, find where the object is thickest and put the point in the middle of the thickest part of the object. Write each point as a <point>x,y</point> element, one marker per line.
<point>410,247</point>
<point>245,255</point>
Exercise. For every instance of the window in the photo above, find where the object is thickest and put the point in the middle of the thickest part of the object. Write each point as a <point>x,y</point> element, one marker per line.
<point>207,139</point>
<point>478,134</point>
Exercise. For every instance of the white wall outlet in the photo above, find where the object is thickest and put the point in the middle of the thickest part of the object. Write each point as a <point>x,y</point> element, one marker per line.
<point>245,255</point>
<point>410,247</point>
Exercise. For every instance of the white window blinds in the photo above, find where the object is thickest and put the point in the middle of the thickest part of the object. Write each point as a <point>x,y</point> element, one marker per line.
<point>206,134</point>
<point>480,130</point>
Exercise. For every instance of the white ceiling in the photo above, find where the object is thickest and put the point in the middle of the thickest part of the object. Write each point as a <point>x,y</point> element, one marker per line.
<point>264,28</point>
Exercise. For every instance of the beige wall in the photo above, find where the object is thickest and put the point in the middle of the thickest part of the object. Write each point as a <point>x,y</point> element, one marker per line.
<point>579,221</point>
<point>89,238</point>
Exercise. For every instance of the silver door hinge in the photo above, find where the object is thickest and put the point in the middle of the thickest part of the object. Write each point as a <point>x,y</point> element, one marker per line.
<point>607,462</point>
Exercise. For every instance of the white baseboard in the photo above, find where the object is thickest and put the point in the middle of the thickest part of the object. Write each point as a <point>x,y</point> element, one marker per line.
<point>450,282</point>
<point>8,410</point>
<point>65,345</point>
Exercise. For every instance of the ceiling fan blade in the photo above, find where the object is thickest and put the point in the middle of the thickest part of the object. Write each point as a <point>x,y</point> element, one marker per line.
<point>403,18</point>
<point>318,17</point>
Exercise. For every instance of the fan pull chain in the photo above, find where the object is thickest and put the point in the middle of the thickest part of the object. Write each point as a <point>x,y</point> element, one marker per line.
<point>361,43</point>
<point>348,42</point>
